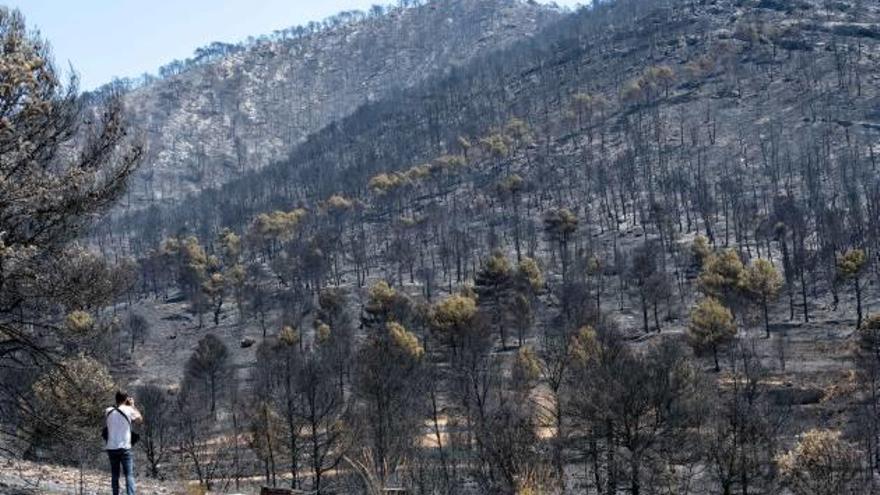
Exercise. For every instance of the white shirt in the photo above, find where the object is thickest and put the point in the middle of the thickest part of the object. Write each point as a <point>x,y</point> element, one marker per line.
<point>118,428</point>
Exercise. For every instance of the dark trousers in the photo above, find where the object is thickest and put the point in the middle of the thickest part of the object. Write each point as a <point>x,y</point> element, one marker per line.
<point>125,459</point>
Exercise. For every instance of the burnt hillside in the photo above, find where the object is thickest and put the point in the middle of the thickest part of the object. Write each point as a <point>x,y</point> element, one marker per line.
<point>635,252</point>
<point>232,109</point>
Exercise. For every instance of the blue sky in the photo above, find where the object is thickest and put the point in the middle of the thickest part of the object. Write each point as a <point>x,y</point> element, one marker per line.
<point>103,39</point>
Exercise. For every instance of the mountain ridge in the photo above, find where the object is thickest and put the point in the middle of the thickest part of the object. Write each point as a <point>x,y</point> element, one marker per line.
<point>250,106</point>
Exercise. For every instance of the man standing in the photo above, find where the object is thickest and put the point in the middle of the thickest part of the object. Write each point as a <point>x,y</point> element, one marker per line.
<point>119,419</point>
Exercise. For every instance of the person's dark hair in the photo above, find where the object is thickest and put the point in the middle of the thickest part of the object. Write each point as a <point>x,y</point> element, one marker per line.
<point>121,397</point>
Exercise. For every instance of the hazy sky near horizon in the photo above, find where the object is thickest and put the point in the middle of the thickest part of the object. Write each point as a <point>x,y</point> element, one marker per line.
<point>103,39</point>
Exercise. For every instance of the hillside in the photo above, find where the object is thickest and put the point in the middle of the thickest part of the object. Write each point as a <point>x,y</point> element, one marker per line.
<point>605,148</point>
<point>634,252</point>
<point>539,80</point>
<point>238,108</point>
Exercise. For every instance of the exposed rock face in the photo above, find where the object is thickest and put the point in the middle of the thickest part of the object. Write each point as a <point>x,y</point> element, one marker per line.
<point>249,107</point>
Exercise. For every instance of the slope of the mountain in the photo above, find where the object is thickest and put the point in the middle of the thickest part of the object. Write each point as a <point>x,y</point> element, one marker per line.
<point>247,108</point>
<point>601,148</point>
<point>726,59</point>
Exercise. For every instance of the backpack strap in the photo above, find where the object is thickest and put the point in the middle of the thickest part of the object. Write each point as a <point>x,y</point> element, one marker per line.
<point>116,409</point>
